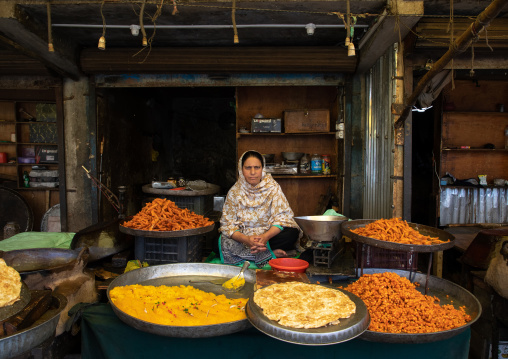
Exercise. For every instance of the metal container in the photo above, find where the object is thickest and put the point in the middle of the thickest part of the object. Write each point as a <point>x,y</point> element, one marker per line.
<point>27,339</point>
<point>292,156</point>
<point>447,238</point>
<point>321,228</point>
<point>347,329</point>
<point>447,293</point>
<point>182,274</point>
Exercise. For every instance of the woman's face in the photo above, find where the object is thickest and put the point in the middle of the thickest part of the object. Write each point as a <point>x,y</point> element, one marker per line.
<point>252,170</point>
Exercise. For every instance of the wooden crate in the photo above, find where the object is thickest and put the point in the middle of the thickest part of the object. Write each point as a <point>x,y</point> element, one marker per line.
<point>300,121</point>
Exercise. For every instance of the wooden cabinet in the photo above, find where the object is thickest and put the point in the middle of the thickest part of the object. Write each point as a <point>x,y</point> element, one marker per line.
<point>473,144</point>
<point>304,192</point>
<point>30,127</point>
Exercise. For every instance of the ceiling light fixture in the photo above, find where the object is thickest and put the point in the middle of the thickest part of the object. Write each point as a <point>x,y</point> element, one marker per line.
<point>310,29</point>
<point>102,39</point>
<point>134,30</point>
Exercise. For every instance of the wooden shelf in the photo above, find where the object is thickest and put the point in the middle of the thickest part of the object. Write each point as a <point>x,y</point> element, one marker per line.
<point>477,149</point>
<point>284,134</point>
<point>300,176</point>
<point>37,143</point>
<point>38,188</point>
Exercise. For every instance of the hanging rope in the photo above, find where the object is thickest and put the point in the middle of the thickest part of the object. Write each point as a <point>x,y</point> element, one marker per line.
<point>50,33</point>
<point>451,28</point>
<point>233,18</point>
<point>175,10</point>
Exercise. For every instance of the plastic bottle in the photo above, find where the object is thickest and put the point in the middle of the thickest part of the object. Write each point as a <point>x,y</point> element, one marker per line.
<point>316,164</point>
<point>26,180</point>
<point>304,164</point>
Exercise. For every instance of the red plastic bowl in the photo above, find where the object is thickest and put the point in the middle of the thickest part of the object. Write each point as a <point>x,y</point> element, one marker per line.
<point>289,265</point>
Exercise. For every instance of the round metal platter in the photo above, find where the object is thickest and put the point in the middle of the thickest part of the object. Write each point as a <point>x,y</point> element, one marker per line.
<point>348,226</point>
<point>19,305</point>
<point>447,293</point>
<point>27,339</point>
<point>210,189</point>
<point>167,234</point>
<point>185,274</point>
<point>347,328</point>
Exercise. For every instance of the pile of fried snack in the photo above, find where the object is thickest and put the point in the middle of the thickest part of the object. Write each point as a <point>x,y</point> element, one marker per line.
<point>164,215</point>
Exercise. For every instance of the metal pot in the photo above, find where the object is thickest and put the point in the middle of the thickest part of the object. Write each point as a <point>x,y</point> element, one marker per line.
<point>269,158</point>
<point>292,156</point>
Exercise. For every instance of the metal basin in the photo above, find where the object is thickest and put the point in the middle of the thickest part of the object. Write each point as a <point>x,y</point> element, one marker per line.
<point>447,292</point>
<point>321,228</point>
<point>181,274</point>
<point>27,339</point>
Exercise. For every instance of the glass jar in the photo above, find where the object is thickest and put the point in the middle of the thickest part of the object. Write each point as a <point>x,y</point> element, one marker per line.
<point>326,165</point>
<point>304,164</point>
<point>316,164</point>
<point>11,229</point>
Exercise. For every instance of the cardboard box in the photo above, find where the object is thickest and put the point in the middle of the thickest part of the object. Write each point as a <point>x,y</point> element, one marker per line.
<point>266,125</point>
<point>302,121</point>
<point>48,154</point>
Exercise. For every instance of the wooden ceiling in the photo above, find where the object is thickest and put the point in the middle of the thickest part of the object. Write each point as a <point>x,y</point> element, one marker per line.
<point>198,36</point>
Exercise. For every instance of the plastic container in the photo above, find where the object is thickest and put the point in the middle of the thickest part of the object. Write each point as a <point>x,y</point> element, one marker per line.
<point>326,165</point>
<point>26,179</point>
<point>3,157</point>
<point>289,265</point>
<point>169,250</point>
<point>316,164</point>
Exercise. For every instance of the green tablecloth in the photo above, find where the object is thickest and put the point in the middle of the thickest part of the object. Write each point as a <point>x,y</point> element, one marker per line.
<point>29,240</point>
<point>105,336</point>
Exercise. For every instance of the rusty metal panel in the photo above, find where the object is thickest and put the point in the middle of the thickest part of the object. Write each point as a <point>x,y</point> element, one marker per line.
<point>464,205</point>
<point>199,80</point>
<point>379,139</point>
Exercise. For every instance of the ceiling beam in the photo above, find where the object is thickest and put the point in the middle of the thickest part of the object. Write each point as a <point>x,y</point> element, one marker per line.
<point>392,26</point>
<point>225,60</point>
<point>21,33</point>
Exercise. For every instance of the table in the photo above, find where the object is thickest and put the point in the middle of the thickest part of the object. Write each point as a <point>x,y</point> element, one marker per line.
<point>105,336</point>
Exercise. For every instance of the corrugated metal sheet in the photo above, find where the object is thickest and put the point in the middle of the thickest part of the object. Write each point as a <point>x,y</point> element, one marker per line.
<point>463,205</point>
<point>379,139</point>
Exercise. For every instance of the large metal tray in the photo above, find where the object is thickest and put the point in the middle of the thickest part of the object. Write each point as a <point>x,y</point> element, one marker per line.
<point>444,236</point>
<point>27,339</point>
<point>347,329</point>
<point>447,292</point>
<point>167,234</point>
<point>181,274</point>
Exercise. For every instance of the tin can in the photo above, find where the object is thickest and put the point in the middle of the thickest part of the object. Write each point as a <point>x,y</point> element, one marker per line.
<point>326,165</point>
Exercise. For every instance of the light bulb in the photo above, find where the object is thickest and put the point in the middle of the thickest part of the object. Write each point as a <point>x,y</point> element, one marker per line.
<point>134,30</point>
<point>145,42</point>
<point>102,43</point>
<point>310,29</point>
<point>351,49</point>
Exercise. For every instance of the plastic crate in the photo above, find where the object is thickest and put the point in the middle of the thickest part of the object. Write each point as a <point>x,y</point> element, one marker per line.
<point>169,250</point>
<point>374,257</point>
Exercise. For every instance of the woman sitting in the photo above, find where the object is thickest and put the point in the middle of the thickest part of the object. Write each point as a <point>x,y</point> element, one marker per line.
<point>257,222</point>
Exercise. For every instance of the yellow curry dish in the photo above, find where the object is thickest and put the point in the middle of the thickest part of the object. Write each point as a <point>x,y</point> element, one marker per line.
<point>177,305</point>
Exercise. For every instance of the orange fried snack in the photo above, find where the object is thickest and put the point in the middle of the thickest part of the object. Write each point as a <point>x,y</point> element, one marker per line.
<point>395,306</point>
<point>395,230</point>
<point>164,215</point>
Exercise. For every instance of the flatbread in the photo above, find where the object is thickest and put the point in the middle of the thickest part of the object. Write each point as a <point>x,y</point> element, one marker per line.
<point>302,305</point>
<point>10,285</point>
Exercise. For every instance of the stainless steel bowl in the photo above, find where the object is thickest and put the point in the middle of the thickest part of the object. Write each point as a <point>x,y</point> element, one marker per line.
<point>269,157</point>
<point>292,156</point>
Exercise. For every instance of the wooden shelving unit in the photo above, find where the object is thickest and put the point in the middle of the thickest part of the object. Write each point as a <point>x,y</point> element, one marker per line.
<point>303,191</point>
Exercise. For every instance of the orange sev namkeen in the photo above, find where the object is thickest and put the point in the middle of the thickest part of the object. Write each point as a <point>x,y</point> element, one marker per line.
<point>395,306</point>
<point>395,230</point>
<point>177,305</point>
<point>164,215</point>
